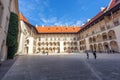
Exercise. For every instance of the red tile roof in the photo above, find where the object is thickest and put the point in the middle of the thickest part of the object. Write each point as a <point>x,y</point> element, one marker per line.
<point>113,3</point>
<point>58,29</point>
<point>71,29</point>
<point>22,18</point>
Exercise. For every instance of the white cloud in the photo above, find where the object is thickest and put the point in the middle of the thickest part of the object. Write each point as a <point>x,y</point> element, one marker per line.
<point>36,13</point>
<point>33,8</point>
<point>79,23</point>
<point>47,21</point>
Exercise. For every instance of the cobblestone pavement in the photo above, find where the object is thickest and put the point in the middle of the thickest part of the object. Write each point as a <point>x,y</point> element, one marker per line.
<point>65,67</point>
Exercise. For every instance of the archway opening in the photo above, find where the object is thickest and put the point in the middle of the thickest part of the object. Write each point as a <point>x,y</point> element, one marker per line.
<point>111,34</point>
<point>106,47</point>
<point>100,48</point>
<point>114,47</point>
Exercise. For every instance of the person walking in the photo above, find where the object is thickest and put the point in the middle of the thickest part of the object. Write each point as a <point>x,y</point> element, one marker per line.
<point>94,54</point>
<point>87,54</point>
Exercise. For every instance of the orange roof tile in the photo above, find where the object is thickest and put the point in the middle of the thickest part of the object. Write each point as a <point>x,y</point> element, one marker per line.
<point>71,29</point>
<point>22,17</point>
<point>58,29</point>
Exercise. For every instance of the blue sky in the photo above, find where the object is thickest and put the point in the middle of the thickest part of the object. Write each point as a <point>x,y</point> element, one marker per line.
<point>60,12</point>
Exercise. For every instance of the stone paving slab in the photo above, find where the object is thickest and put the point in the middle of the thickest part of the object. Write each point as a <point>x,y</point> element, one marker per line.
<point>65,67</point>
<point>6,65</point>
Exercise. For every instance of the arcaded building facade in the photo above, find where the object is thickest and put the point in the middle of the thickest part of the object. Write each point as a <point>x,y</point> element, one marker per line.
<point>101,33</point>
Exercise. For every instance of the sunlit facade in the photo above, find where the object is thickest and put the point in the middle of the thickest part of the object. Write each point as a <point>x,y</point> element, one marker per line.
<point>101,33</point>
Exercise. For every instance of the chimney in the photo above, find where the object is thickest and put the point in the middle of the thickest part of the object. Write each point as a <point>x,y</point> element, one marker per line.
<point>42,25</point>
<point>83,24</point>
<point>102,8</point>
<point>88,20</point>
<point>36,25</point>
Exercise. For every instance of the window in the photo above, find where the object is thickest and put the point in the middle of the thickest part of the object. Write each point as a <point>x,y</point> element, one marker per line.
<point>116,23</point>
<point>74,38</point>
<point>102,28</point>
<point>1,12</point>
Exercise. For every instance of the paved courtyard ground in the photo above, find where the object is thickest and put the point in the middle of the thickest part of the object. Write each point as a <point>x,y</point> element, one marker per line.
<point>65,67</point>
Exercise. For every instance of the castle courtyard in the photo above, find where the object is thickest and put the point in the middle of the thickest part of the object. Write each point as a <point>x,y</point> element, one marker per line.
<point>65,67</point>
<point>59,40</point>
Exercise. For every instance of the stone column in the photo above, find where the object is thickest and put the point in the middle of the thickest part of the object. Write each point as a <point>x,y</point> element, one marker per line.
<point>30,46</point>
<point>61,47</point>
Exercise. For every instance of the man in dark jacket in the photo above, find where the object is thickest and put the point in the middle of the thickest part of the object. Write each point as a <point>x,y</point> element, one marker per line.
<point>94,54</point>
<point>87,54</point>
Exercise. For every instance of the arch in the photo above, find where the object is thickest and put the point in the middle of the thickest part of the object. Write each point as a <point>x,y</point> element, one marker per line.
<point>100,47</point>
<point>75,48</point>
<point>104,36</point>
<point>65,48</point>
<point>64,43</point>
<point>50,43</point>
<point>91,47</point>
<point>95,47</point>
<point>94,38</point>
<point>46,48</point>
<point>39,44</point>
<point>72,43</point>
<point>80,48</point>
<point>27,41</point>
<point>58,49</point>
<point>47,43</point>
<point>84,41</point>
<point>90,40</point>
<point>111,34</point>
<point>72,48</point>
<point>43,48</point>
<point>50,49</point>
<point>84,47</point>
<point>114,46</point>
<point>106,47</point>
<point>42,43</point>
<point>80,42</point>
<point>68,42</point>
<point>54,43</point>
<point>53,49</point>
<point>75,43</point>
<point>58,43</point>
<point>39,49</point>
<point>99,37</point>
